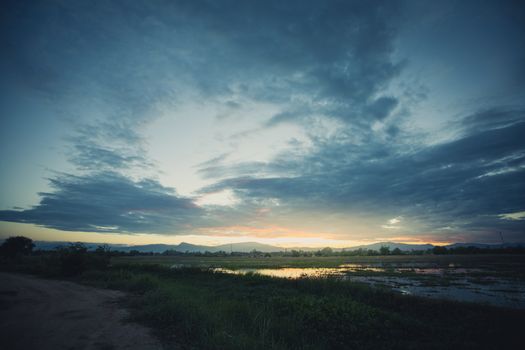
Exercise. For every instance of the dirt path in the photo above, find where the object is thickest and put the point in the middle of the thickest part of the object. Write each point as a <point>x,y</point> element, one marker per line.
<point>45,314</point>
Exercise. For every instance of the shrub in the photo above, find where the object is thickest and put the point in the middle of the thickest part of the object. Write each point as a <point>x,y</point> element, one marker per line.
<point>15,246</point>
<point>73,259</point>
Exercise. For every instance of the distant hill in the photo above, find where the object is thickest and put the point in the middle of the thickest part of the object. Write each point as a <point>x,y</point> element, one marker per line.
<point>246,247</point>
<point>243,247</point>
<point>392,246</point>
<point>51,245</point>
<point>183,247</point>
<point>485,245</point>
<point>188,247</point>
<point>148,248</point>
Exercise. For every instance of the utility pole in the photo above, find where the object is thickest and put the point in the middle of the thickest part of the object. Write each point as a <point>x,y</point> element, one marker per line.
<point>501,236</point>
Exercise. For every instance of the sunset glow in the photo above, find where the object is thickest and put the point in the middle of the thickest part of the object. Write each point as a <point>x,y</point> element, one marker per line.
<point>295,125</point>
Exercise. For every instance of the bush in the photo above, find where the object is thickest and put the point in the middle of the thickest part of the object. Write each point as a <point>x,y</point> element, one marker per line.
<point>16,246</point>
<point>73,259</point>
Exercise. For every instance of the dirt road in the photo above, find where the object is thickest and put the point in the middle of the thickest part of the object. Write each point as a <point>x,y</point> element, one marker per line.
<point>44,314</point>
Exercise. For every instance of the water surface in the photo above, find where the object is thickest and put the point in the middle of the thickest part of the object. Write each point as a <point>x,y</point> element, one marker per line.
<point>427,280</point>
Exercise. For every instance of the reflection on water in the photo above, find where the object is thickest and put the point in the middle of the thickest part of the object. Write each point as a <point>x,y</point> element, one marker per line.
<point>501,293</point>
<point>289,272</point>
<point>450,282</point>
<point>342,270</point>
<point>361,267</point>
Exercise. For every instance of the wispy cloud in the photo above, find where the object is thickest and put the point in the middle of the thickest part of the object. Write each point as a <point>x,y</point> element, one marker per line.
<point>513,216</point>
<point>429,186</point>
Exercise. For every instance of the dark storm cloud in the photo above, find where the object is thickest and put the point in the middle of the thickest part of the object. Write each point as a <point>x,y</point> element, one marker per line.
<point>108,202</point>
<point>113,64</point>
<point>332,56</point>
<point>465,183</point>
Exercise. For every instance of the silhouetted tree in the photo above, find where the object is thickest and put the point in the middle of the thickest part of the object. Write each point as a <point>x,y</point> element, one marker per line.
<point>372,252</point>
<point>327,251</point>
<point>102,257</point>
<point>14,246</point>
<point>103,249</point>
<point>397,251</point>
<point>439,250</point>
<point>73,259</point>
<point>295,253</point>
<point>384,250</point>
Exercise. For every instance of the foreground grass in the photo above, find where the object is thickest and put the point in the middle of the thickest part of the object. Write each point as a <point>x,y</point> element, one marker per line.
<point>207,310</point>
<point>199,309</point>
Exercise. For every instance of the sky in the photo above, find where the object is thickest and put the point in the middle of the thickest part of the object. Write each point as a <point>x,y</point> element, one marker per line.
<point>294,123</point>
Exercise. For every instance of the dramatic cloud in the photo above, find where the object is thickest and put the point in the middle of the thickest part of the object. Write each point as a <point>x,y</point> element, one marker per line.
<point>331,59</point>
<point>345,119</point>
<point>466,184</point>
<point>107,147</point>
<point>108,202</point>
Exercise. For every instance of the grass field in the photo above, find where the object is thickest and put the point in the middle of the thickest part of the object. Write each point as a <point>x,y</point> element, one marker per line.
<point>195,308</point>
<point>492,279</point>
<point>510,265</point>
<point>202,309</point>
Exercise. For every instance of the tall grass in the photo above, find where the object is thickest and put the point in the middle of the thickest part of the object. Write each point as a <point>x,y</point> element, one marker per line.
<point>206,310</point>
<point>198,309</point>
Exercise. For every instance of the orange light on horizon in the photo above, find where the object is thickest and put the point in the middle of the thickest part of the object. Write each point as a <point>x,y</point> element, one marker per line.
<point>272,234</point>
<point>271,231</point>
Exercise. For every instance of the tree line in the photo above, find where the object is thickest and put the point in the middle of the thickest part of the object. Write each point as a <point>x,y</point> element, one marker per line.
<point>77,253</point>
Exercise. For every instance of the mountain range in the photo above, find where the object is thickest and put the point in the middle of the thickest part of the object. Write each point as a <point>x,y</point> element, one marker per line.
<point>246,247</point>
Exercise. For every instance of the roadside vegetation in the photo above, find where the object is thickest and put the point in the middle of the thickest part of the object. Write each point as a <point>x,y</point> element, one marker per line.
<point>196,308</point>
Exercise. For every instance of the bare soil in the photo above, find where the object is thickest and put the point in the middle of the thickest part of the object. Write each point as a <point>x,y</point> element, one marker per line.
<point>46,314</point>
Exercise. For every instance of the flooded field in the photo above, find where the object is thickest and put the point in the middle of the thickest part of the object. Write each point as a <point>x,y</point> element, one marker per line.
<point>453,281</point>
<point>492,279</point>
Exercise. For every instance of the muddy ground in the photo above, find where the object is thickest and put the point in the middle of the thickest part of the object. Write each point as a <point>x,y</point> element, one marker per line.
<point>46,314</point>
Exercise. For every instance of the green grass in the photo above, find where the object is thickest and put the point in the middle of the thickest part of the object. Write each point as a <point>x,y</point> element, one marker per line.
<point>510,263</point>
<point>205,310</point>
<point>234,262</point>
<point>194,308</point>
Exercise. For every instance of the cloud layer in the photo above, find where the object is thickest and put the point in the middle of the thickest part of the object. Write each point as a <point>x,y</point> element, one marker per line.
<point>461,185</point>
<point>108,202</point>
<point>377,135</point>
